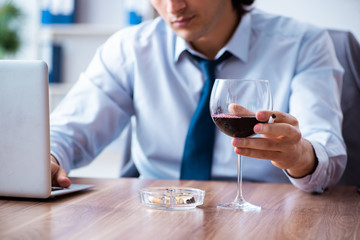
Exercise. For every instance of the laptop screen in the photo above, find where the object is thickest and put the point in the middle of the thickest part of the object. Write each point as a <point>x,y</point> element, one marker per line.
<point>24,129</point>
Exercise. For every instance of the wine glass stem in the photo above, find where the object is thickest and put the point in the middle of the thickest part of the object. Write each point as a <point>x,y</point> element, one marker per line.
<point>239,195</point>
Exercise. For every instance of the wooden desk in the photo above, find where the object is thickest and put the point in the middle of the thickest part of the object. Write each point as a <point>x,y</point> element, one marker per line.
<point>111,210</point>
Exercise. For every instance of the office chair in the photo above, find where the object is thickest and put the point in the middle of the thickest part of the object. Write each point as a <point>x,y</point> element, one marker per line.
<point>127,166</point>
<point>348,53</point>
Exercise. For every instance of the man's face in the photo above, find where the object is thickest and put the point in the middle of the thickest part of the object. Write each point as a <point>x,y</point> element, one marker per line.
<point>194,19</point>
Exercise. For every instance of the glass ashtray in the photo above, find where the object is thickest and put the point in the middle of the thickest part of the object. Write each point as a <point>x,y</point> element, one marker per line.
<point>172,198</point>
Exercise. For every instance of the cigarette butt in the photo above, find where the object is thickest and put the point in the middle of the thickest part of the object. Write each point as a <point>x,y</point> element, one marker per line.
<point>162,200</point>
<point>166,200</point>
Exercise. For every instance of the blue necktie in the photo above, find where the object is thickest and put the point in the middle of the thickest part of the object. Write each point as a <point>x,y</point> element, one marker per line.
<point>199,144</point>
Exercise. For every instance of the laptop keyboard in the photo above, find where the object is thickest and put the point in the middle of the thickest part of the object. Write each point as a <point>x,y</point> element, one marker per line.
<point>53,188</point>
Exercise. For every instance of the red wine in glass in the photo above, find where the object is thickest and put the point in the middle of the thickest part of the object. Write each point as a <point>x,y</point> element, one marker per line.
<point>235,126</point>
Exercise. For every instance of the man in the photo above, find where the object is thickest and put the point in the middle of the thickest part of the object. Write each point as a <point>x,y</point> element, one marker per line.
<point>147,71</point>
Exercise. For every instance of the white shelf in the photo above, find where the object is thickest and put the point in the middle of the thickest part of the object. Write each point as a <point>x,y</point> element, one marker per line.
<point>85,30</point>
<point>60,88</point>
<point>57,92</point>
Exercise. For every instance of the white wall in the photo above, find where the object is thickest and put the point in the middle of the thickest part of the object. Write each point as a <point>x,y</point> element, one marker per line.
<point>335,14</point>
<point>338,14</point>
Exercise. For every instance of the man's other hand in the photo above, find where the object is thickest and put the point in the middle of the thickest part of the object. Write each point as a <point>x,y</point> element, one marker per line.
<point>58,175</point>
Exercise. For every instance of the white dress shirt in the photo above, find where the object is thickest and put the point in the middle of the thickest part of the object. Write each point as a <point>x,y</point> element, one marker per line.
<point>146,72</point>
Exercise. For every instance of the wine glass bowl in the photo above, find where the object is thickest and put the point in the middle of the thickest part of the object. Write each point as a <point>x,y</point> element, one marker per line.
<point>233,107</point>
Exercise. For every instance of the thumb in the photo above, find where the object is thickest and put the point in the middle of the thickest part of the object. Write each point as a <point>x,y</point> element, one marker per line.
<point>59,176</point>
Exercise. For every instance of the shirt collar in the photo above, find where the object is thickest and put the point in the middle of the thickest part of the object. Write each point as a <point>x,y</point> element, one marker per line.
<point>238,45</point>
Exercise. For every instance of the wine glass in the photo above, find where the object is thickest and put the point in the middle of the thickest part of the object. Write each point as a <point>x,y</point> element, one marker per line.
<point>233,106</point>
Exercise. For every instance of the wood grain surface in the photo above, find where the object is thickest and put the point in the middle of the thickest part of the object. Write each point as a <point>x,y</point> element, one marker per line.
<point>112,210</point>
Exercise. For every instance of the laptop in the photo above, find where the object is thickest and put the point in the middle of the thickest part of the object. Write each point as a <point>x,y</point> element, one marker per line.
<point>24,131</point>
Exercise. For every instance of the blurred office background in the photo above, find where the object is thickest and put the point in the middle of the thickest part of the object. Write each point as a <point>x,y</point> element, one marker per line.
<point>73,44</point>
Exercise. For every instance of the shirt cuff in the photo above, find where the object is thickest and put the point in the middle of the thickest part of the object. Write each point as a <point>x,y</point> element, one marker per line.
<point>314,182</point>
<point>60,156</point>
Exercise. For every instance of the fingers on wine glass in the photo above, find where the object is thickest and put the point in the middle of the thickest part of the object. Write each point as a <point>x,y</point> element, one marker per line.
<point>238,110</point>
<point>266,116</point>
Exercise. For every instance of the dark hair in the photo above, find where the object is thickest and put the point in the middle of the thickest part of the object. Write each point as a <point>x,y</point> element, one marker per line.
<point>240,5</point>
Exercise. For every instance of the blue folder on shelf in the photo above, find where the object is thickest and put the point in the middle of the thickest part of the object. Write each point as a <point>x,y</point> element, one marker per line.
<point>58,12</point>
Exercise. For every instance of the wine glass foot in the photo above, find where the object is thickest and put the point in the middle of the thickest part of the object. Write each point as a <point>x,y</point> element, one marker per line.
<point>242,206</point>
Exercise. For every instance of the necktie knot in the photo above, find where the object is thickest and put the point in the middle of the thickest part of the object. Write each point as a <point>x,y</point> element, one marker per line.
<point>208,66</point>
<point>223,57</point>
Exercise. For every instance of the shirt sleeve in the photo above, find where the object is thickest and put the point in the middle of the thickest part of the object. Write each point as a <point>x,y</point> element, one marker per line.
<point>315,102</point>
<point>92,114</point>
<point>320,179</point>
